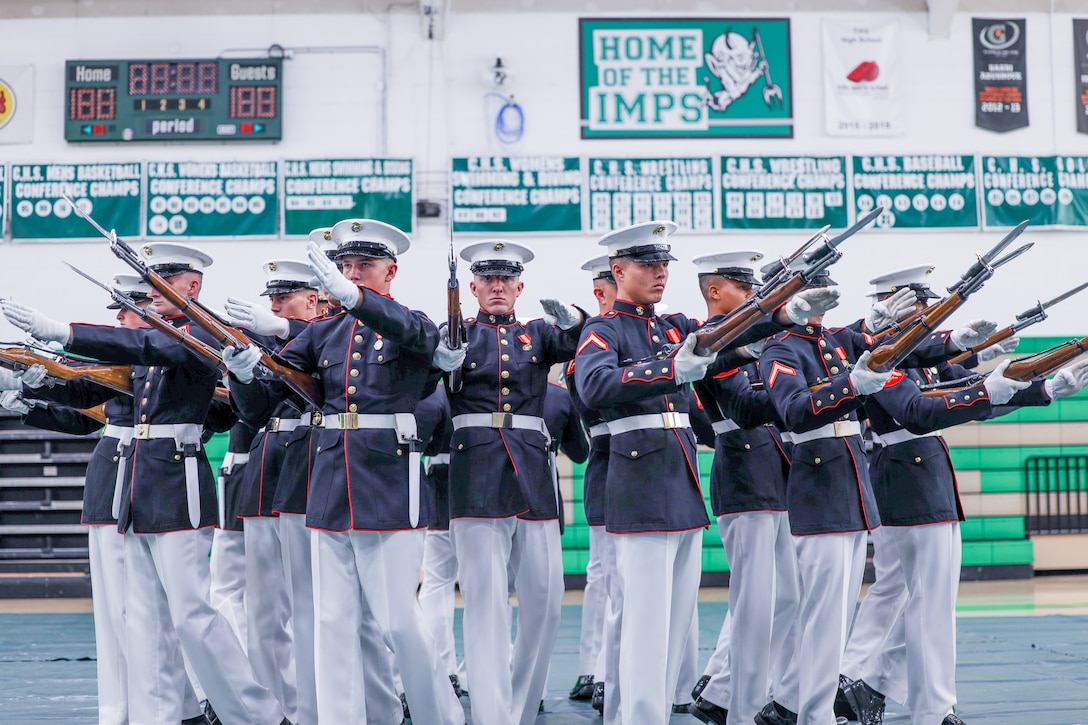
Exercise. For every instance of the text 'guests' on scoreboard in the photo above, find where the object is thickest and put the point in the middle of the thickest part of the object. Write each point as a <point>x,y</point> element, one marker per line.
<point>174,100</point>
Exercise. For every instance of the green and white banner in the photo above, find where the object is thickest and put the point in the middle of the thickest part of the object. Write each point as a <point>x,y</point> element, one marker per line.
<point>319,193</point>
<point>783,192</point>
<point>686,77</point>
<point>631,191</point>
<point>917,192</point>
<point>517,194</point>
<point>1022,187</point>
<point>108,192</point>
<point>3,196</point>
<point>209,199</point>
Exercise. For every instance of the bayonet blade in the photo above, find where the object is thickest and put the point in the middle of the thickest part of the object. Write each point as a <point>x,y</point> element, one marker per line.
<point>858,226</point>
<point>94,281</point>
<point>1062,297</point>
<point>79,212</point>
<point>1011,256</point>
<point>1008,239</point>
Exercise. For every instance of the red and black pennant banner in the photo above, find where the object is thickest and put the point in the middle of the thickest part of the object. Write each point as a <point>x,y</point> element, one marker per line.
<point>1001,91</point>
<point>1080,70</point>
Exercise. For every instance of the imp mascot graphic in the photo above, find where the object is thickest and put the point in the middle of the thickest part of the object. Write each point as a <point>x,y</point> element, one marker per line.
<point>738,63</point>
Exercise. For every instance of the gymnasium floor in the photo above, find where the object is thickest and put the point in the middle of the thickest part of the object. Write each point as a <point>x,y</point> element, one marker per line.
<point>1023,657</point>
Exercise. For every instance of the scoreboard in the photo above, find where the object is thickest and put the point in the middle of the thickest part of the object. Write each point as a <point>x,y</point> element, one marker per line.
<point>174,100</point>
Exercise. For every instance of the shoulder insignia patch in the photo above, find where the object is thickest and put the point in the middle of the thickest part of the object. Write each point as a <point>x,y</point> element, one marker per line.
<point>778,369</point>
<point>594,339</point>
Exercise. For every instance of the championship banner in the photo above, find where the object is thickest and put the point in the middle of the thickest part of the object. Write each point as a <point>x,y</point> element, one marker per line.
<point>1080,70</point>
<point>686,78</point>
<point>862,96</point>
<point>3,197</point>
<point>1021,187</point>
<point>917,192</point>
<point>189,199</point>
<point>1001,85</point>
<point>108,192</point>
<point>783,192</point>
<point>517,194</point>
<point>321,193</point>
<point>16,103</point>
<point>631,191</point>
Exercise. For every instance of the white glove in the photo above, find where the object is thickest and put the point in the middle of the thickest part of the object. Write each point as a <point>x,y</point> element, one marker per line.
<point>1068,381</point>
<point>811,303</point>
<point>888,311</point>
<point>254,318</point>
<point>10,380</point>
<point>33,376</point>
<point>973,333</point>
<point>866,381</point>
<point>562,316</point>
<point>753,349</point>
<point>13,400</point>
<point>1001,389</point>
<point>334,282</point>
<point>445,358</point>
<point>687,366</point>
<point>241,362</point>
<point>30,320</point>
<point>998,348</point>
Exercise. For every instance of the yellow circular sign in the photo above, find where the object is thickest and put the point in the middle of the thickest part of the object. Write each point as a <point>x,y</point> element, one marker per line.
<point>7,103</point>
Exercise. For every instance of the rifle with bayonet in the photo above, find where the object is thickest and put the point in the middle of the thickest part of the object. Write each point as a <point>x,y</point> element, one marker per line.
<point>1039,365</point>
<point>781,282</point>
<point>453,314</point>
<point>224,334</point>
<point>891,353</point>
<point>1026,318</point>
<point>19,358</point>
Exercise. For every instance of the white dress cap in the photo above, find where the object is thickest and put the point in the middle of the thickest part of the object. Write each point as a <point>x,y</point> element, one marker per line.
<point>497,257</point>
<point>645,242</point>
<point>284,276</point>
<point>171,258</point>
<point>322,237</point>
<point>917,278</point>
<point>740,266</point>
<point>132,285</point>
<point>368,238</point>
<point>600,267</point>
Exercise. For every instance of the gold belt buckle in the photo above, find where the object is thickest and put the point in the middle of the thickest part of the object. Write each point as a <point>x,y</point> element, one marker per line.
<point>842,428</point>
<point>142,432</point>
<point>273,425</point>
<point>348,421</point>
<point>502,420</point>
<point>671,420</point>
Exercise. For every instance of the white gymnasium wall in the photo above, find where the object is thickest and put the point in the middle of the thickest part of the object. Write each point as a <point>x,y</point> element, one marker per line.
<point>436,109</point>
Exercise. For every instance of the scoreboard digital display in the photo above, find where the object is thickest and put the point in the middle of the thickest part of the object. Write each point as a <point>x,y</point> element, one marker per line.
<point>221,99</point>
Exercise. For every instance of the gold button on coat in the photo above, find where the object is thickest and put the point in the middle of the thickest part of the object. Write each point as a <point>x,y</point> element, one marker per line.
<point>505,374</point>
<point>354,373</point>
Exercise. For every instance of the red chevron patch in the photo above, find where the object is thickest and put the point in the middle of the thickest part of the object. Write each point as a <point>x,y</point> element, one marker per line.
<point>776,369</point>
<point>593,338</point>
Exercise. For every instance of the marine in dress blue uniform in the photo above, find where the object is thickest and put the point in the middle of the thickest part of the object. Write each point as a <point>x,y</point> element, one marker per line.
<point>168,507</point>
<point>503,498</point>
<point>748,497</point>
<point>364,504</point>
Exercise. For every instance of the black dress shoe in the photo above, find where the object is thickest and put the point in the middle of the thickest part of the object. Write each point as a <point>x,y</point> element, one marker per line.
<point>867,703</point>
<point>209,714</point>
<point>952,719</point>
<point>842,707</point>
<point>681,708</point>
<point>774,714</point>
<point>198,720</point>
<point>598,697</point>
<point>708,712</point>
<point>699,687</point>
<point>456,682</point>
<point>404,706</point>
<point>583,688</point>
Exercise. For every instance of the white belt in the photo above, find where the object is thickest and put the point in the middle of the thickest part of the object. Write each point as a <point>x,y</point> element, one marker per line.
<point>901,435</point>
<point>282,425</point>
<point>725,426</point>
<point>404,424</point>
<point>439,459</point>
<point>186,437</point>
<point>230,461</point>
<point>838,429</point>
<point>117,431</point>
<point>504,421</point>
<point>123,434</point>
<point>666,421</point>
<point>601,429</point>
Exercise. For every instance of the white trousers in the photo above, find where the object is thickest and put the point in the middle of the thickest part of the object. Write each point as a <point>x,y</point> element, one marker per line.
<point>380,568</point>
<point>166,603</point>
<point>106,549</point>
<point>688,674</point>
<point>829,566</point>
<point>930,557</point>
<point>268,614</point>
<point>871,654</point>
<point>295,549</point>
<point>538,583</point>
<point>436,594</point>
<point>659,575</point>
<point>763,601</point>
<point>228,579</point>
<point>594,603</point>
<point>610,641</point>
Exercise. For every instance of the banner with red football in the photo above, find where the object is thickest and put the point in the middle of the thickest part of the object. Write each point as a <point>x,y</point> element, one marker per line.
<point>862,94</point>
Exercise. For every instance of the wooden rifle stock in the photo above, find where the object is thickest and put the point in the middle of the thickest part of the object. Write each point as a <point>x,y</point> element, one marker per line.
<point>98,413</point>
<point>114,377</point>
<point>1028,368</point>
<point>225,335</point>
<point>891,353</point>
<point>1000,336</point>
<point>453,326</point>
<point>709,339</point>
